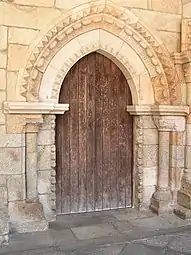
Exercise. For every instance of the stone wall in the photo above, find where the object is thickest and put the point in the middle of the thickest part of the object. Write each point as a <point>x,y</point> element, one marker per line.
<point>22,25</point>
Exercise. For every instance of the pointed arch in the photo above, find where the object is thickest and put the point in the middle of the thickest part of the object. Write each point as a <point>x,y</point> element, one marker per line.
<point>115,20</point>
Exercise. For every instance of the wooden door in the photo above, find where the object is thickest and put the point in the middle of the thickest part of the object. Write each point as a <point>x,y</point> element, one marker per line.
<point>94,138</point>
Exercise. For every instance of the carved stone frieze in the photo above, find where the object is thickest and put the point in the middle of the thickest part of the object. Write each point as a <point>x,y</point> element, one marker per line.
<point>116,20</point>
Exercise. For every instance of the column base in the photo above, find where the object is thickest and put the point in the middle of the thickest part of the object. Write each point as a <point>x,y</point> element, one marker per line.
<point>161,202</point>
<point>184,200</point>
<point>27,217</point>
<point>182,212</point>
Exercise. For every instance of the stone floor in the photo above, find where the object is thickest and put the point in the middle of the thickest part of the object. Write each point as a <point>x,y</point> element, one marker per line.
<point>124,232</point>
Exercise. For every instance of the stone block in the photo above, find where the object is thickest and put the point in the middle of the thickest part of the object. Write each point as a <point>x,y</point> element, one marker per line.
<point>93,231</point>
<point>150,155</point>
<point>177,156</point>
<point>150,136</point>
<point>158,20</point>
<point>175,176</point>
<point>170,6</point>
<point>187,10</point>
<point>177,138</point>
<point>188,158</point>
<point>149,176</point>
<point>10,140</point>
<point>4,221</point>
<point>19,16</point>
<point>147,194</point>
<point>3,181</point>
<point>3,197</point>
<point>171,40</point>
<point>44,160</point>
<point>2,118</point>
<point>22,36</point>
<point>10,161</point>
<point>48,122</point>
<point>15,61</point>
<point>27,217</point>
<point>44,3</point>
<point>2,98</point>
<point>16,187</point>
<point>3,59</point>
<point>184,199</point>
<point>46,15</point>
<point>47,206</point>
<point>3,79</point>
<point>11,86</point>
<point>46,137</point>
<point>44,182</point>
<point>67,5</point>
<point>148,122</point>
<point>3,38</point>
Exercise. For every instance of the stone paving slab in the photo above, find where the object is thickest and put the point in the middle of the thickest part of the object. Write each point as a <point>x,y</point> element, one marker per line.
<point>94,231</point>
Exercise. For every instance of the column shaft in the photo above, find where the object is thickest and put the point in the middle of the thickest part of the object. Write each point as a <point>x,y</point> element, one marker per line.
<point>31,166</point>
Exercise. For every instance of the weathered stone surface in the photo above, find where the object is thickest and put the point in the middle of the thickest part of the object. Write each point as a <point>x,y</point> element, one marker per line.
<point>44,3</point>
<point>164,6</point>
<point>11,160</point>
<point>3,59</point>
<point>94,231</point>
<point>21,35</point>
<point>3,79</point>
<point>27,217</point>
<point>16,187</point>
<point>44,182</point>
<point>158,20</point>
<point>44,160</point>
<point>15,51</point>
<point>3,37</point>
<point>150,155</point>
<point>46,137</point>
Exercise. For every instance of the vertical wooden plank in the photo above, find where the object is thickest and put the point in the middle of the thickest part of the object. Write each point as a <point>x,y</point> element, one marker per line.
<point>90,106</point>
<point>129,149</point>
<point>63,141</point>
<point>83,83</point>
<point>59,166</point>
<point>74,138</point>
<point>124,165</point>
<point>114,142</point>
<point>98,179</point>
<point>106,133</point>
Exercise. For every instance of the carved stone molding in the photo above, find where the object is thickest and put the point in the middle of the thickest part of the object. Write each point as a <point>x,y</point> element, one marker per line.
<point>34,108</point>
<point>124,24</point>
<point>163,110</point>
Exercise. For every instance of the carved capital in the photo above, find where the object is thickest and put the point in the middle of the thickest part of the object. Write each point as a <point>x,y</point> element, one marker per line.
<point>170,123</point>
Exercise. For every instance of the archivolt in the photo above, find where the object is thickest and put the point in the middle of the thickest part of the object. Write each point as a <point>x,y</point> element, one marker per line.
<point>116,20</point>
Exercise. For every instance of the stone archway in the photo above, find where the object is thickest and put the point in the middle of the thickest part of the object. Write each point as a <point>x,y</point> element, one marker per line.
<point>142,58</point>
<point>116,20</point>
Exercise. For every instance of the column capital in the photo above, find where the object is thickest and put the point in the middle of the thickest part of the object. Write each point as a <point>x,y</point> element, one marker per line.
<point>170,123</point>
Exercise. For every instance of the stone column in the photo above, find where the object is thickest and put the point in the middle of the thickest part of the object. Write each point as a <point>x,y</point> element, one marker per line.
<point>184,194</point>
<point>31,162</point>
<point>162,198</point>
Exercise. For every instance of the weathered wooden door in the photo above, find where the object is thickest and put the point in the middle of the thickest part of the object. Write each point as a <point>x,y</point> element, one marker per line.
<point>94,138</point>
